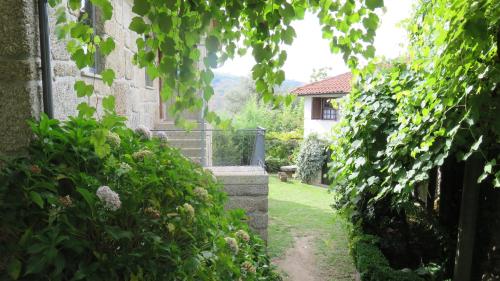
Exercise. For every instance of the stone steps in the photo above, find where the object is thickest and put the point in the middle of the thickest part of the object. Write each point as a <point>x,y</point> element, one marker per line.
<point>188,142</point>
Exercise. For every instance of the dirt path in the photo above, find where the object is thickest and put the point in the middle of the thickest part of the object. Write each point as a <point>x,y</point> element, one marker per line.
<point>299,262</point>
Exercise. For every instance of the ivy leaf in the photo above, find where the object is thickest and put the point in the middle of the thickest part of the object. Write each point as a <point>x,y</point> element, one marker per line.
<point>141,7</point>
<point>82,89</point>
<point>81,58</point>
<point>108,103</point>
<point>288,35</point>
<point>138,25</point>
<point>212,43</point>
<point>373,4</point>
<point>75,4</point>
<point>371,22</point>
<point>35,197</point>
<point>107,46</point>
<point>164,22</point>
<point>496,181</point>
<point>476,145</point>
<point>106,8</point>
<point>14,269</point>
<point>85,110</point>
<point>108,76</point>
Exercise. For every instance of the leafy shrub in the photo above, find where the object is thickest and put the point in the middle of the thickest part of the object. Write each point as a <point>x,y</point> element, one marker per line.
<point>372,264</point>
<point>281,149</point>
<point>311,158</point>
<point>143,212</point>
<point>274,164</point>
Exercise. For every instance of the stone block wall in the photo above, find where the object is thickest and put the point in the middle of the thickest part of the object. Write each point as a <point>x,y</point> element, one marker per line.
<point>20,75</point>
<point>138,102</point>
<point>247,188</point>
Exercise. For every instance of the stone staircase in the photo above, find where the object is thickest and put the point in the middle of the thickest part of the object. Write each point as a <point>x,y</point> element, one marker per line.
<point>188,142</point>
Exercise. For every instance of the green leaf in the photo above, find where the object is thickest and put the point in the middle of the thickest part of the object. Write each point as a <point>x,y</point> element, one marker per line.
<point>35,197</point>
<point>107,46</point>
<point>106,8</point>
<point>85,110</point>
<point>476,145</point>
<point>373,4</point>
<point>212,43</point>
<point>288,35</point>
<point>108,103</point>
<point>108,76</point>
<point>82,89</point>
<point>87,196</point>
<point>138,25</point>
<point>14,268</point>
<point>141,7</point>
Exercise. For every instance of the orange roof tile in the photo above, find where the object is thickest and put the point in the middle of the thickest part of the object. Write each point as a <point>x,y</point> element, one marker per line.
<point>340,84</point>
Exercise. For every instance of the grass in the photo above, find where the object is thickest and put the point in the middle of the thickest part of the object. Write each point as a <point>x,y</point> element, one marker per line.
<point>297,209</point>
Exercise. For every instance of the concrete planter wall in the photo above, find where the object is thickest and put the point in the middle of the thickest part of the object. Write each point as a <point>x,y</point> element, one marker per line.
<point>248,189</point>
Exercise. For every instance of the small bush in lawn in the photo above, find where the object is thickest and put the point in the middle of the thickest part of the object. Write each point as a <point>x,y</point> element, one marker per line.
<point>143,212</point>
<point>310,158</point>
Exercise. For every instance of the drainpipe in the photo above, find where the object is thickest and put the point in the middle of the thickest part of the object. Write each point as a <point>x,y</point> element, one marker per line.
<point>43,22</point>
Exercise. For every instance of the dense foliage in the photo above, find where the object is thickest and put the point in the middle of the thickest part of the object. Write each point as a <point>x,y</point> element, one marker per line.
<point>225,29</point>
<point>282,149</point>
<point>372,264</point>
<point>144,212</point>
<point>310,158</point>
<point>404,119</point>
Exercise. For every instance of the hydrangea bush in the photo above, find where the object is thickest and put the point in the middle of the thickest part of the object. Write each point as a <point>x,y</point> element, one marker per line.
<point>143,212</point>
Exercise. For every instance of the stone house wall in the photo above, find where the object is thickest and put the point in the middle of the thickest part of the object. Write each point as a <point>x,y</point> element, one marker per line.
<point>134,99</point>
<point>20,85</point>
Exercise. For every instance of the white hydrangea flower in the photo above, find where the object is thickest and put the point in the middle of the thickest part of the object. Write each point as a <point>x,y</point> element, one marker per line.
<point>113,139</point>
<point>162,136</point>
<point>109,198</point>
<point>243,235</point>
<point>201,193</point>
<point>142,154</point>
<point>143,132</point>
<point>189,210</point>
<point>125,167</point>
<point>248,267</point>
<point>233,244</point>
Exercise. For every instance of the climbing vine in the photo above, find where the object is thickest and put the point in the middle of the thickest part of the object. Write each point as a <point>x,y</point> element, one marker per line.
<point>172,31</point>
<point>442,101</point>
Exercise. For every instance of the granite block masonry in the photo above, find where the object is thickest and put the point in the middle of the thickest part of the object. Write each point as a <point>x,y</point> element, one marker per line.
<point>247,188</point>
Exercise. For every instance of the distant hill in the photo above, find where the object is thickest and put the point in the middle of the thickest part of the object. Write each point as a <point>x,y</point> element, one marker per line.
<point>225,84</point>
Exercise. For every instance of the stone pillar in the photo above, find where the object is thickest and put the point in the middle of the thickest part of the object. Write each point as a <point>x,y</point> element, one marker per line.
<point>20,84</point>
<point>247,188</point>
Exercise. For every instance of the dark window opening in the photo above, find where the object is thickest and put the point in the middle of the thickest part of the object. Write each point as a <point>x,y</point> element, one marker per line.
<point>93,21</point>
<point>322,109</point>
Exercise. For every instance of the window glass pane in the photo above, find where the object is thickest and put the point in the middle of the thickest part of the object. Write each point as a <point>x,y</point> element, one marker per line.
<point>329,113</point>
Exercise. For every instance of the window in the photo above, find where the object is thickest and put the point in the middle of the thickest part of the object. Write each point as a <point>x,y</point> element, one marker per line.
<point>322,109</point>
<point>149,81</point>
<point>92,20</point>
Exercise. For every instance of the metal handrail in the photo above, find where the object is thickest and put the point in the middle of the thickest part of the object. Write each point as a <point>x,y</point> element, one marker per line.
<point>241,147</point>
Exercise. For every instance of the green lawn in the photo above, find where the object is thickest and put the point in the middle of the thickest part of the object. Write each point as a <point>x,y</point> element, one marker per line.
<point>297,209</point>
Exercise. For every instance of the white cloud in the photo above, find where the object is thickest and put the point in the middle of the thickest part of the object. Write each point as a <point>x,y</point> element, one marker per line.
<point>309,50</point>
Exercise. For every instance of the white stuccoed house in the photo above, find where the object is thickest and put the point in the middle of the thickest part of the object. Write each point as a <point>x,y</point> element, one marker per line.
<point>319,113</point>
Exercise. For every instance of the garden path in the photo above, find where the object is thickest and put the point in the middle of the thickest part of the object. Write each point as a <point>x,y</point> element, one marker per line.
<point>299,262</point>
<point>307,239</point>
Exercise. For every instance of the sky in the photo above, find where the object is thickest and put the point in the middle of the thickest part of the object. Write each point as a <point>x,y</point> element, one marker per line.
<point>310,51</point>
